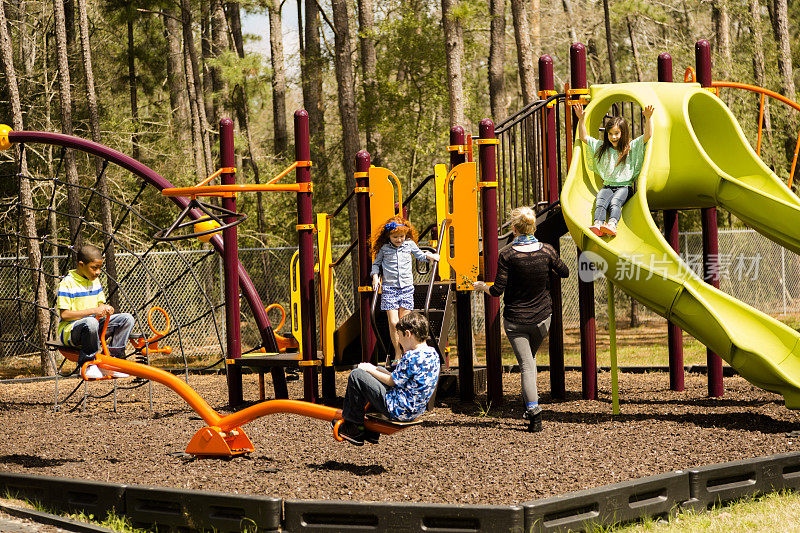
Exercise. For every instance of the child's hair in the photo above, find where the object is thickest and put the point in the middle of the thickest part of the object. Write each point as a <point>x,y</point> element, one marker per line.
<point>415,323</point>
<point>523,219</point>
<point>624,143</point>
<point>89,253</point>
<point>397,223</point>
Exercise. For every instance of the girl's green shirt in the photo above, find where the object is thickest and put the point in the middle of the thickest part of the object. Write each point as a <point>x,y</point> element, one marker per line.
<point>613,174</point>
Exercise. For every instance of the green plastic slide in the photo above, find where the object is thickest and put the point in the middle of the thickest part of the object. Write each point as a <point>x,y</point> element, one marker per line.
<point>697,157</point>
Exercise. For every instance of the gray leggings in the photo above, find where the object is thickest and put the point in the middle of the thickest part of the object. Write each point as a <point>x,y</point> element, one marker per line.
<point>525,339</point>
<point>610,200</point>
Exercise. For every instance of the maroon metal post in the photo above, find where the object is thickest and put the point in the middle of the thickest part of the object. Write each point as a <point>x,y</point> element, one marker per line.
<point>305,237</point>
<point>674,334</point>
<point>364,260</point>
<point>577,59</point>
<point>466,371</point>
<point>556,342</point>
<point>665,67</point>
<point>230,264</point>
<point>702,51</point>
<point>491,306</point>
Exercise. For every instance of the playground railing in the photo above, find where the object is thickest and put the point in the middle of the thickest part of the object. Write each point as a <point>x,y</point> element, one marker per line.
<point>521,164</point>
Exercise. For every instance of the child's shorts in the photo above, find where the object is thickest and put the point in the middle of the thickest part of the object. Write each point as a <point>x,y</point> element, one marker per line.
<point>397,297</point>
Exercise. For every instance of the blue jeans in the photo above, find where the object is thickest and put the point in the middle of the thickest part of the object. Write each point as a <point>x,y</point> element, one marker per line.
<point>363,388</point>
<point>85,334</point>
<point>612,198</point>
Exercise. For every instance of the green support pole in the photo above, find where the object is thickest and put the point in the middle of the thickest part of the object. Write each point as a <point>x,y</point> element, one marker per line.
<point>612,348</point>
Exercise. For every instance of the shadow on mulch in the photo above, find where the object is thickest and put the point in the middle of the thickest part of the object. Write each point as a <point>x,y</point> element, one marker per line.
<point>742,420</point>
<point>359,470</point>
<point>34,461</point>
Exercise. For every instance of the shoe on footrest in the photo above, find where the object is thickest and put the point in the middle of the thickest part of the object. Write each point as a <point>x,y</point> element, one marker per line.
<point>114,373</point>
<point>370,436</point>
<point>350,432</point>
<point>93,372</point>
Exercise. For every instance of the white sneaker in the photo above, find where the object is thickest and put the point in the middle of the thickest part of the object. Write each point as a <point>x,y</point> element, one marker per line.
<point>93,372</point>
<point>114,373</point>
<point>610,228</point>
<point>596,228</point>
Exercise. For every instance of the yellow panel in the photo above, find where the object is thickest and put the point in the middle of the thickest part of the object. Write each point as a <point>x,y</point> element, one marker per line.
<point>327,314</point>
<point>463,181</point>
<point>440,180</point>
<point>297,319</point>
<point>382,197</point>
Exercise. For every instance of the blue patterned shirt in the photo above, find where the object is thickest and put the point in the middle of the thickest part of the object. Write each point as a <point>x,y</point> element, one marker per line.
<point>415,381</point>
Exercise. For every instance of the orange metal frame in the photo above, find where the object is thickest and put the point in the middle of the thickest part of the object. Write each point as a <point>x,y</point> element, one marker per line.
<point>202,189</point>
<point>223,436</point>
<point>690,76</point>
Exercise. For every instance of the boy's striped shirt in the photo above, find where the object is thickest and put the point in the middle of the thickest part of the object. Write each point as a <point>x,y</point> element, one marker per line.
<point>76,293</point>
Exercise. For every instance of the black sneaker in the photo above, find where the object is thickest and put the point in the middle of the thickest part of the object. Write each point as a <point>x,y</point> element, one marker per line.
<point>527,415</point>
<point>371,436</point>
<point>535,424</point>
<point>350,432</point>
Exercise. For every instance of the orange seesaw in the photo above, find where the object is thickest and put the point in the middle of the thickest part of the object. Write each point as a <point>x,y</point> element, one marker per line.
<point>223,435</point>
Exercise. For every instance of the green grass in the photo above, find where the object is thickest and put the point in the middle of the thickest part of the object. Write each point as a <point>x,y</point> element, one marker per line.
<point>777,511</point>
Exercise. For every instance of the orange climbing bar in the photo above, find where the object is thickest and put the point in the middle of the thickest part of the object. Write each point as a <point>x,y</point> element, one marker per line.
<point>202,189</point>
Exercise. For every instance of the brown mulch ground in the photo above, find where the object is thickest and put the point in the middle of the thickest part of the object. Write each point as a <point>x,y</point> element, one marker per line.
<point>460,454</point>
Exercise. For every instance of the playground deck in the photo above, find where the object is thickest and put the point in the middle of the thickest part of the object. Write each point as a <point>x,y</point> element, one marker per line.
<point>460,454</point>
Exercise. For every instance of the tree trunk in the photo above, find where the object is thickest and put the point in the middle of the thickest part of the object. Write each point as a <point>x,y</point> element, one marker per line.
<point>634,322</point>
<point>64,85</point>
<point>366,22</point>
<point>176,81</point>
<point>233,10</point>
<point>634,49</point>
<point>535,25</point>
<point>567,5</point>
<point>219,44</point>
<point>312,66</point>
<point>759,72</point>
<point>454,51</point>
<point>281,137</point>
<point>348,114</point>
<point>132,88</point>
<point>783,38</point>
<point>94,125</point>
<point>497,59</point>
<point>687,15</point>
<point>609,42</point>
<point>198,131</point>
<point>196,91</point>
<point>207,77</point>
<point>525,58</point>
<point>722,30</point>
<point>27,215</point>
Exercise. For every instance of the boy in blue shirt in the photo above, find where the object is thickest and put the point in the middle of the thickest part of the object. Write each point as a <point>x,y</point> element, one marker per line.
<point>402,395</point>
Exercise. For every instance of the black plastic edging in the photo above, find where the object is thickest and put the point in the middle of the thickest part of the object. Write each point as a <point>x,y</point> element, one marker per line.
<point>201,510</point>
<point>627,501</point>
<point>67,524</point>
<point>648,497</point>
<point>360,517</point>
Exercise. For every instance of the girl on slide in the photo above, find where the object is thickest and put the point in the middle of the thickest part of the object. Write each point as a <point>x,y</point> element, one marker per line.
<point>618,161</point>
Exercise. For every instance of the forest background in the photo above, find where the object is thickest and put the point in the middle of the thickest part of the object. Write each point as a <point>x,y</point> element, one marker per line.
<point>152,79</point>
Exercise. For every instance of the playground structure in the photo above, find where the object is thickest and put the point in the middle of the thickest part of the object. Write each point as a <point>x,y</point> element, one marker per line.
<point>470,183</point>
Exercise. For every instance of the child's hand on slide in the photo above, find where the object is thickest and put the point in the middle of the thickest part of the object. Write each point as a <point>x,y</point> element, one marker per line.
<point>648,111</point>
<point>579,112</point>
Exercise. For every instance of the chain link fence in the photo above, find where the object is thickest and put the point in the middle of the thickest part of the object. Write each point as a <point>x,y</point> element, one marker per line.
<point>188,285</point>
